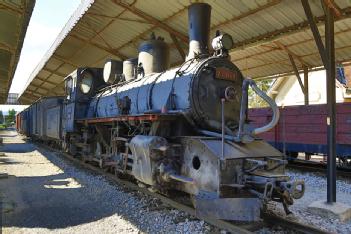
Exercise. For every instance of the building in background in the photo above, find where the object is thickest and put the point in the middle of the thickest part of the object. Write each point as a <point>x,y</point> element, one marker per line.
<point>286,91</point>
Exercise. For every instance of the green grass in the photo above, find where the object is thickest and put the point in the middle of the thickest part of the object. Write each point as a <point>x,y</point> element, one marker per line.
<point>2,126</point>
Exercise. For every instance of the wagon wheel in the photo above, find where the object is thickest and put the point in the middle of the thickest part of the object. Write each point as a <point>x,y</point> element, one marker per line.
<point>344,162</point>
<point>65,144</point>
<point>72,149</point>
<point>292,155</point>
<point>68,146</point>
<point>193,200</point>
<point>98,153</point>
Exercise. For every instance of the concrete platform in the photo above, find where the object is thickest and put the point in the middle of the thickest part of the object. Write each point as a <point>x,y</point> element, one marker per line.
<point>334,210</point>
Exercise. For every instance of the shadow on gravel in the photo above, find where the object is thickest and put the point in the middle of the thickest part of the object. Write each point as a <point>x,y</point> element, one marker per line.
<point>49,203</point>
<point>52,202</point>
<point>17,148</point>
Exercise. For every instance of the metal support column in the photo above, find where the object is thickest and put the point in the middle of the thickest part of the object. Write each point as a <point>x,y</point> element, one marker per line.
<point>297,74</point>
<point>331,118</point>
<point>327,54</point>
<point>305,84</point>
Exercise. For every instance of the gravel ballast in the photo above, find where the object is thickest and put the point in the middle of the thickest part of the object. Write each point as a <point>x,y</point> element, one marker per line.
<point>316,187</point>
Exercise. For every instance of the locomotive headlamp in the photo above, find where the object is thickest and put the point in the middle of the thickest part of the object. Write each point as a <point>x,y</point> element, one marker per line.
<point>230,94</point>
<point>86,81</point>
<point>112,71</point>
<point>224,41</point>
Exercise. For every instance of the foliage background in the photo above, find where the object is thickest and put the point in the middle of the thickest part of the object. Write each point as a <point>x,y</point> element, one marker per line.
<point>7,120</point>
<point>254,100</point>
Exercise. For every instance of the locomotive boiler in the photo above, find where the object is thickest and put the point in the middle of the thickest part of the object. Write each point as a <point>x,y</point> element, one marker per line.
<point>181,128</point>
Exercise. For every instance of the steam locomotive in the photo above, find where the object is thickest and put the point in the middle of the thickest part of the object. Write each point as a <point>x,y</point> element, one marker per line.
<point>183,128</point>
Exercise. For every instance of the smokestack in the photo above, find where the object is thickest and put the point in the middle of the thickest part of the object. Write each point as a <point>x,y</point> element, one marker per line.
<point>199,15</point>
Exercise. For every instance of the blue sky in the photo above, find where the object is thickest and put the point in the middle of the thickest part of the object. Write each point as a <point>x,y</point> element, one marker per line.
<point>48,18</point>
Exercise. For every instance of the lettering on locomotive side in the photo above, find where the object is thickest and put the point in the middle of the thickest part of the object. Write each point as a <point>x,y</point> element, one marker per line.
<point>225,74</point>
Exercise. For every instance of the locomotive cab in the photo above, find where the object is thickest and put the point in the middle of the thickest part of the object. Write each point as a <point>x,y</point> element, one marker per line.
<point>81,85</point>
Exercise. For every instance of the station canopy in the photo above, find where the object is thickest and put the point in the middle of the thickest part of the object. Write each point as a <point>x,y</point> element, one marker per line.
<point>14,19</point>
<point>265,32</point>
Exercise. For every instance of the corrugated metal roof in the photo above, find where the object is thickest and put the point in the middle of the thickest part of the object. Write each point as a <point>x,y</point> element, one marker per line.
<point>260,28</point>
<point>14,18</point>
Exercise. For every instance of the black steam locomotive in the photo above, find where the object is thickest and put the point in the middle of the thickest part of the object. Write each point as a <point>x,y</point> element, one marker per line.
<point>182,128</point>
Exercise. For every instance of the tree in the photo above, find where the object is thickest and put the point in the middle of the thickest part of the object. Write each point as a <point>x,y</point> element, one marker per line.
<point>10,118</point>
<point>254,100</point>
<point>1,117</point>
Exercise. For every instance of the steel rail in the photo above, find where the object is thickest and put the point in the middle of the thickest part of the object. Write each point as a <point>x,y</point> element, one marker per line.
<point>317,167</point>
<point>291,225</point>
<point>269,218</point>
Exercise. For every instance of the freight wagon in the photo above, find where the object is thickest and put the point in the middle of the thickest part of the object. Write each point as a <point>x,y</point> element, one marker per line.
<point>22,122</point>
<point>304,129</point>
<point>42,119</point>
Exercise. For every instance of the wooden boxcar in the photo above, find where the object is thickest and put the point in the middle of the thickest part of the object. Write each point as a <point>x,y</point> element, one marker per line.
<point>304,129</point>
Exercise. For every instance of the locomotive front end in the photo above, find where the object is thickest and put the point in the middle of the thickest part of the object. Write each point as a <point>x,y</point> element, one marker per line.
<point>236,184</point>
<point>230,173</point>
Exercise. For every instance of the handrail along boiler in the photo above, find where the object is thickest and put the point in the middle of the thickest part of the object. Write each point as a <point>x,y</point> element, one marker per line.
<point>182,128</point>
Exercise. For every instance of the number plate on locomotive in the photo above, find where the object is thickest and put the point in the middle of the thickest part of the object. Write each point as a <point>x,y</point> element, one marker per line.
<point>225,74</point>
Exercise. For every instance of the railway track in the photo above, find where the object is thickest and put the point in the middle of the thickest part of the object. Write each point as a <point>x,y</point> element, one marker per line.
<point>317,167</point>
<point>269,219</point>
